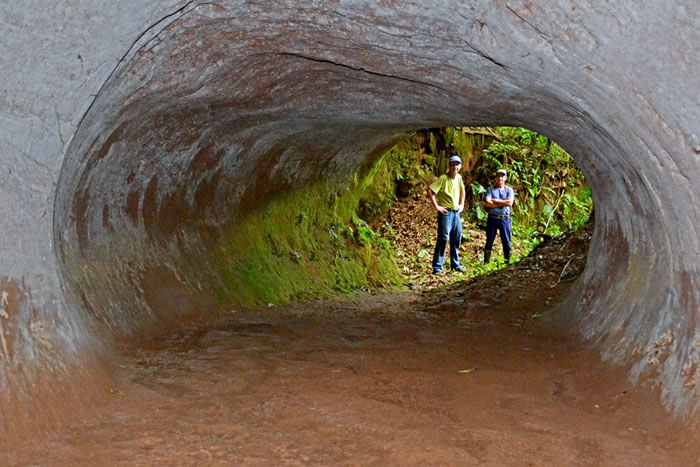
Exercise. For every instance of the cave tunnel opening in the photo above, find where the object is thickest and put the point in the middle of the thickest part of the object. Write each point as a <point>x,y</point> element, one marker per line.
<point>189,152</point>
<point>551,192</point>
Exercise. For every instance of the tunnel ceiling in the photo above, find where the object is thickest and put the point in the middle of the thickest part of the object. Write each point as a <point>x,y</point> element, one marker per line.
<point>213,107</point>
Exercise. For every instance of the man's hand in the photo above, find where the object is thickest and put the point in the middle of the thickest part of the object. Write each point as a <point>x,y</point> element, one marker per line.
<point>433,199</point>
<point>460,208</point>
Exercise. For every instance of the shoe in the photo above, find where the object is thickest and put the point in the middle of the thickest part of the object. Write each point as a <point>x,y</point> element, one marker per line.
<point>436,272</point>
<point>458,270</point>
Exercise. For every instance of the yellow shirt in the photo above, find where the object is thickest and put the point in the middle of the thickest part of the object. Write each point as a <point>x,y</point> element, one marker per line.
<point>448,190</point>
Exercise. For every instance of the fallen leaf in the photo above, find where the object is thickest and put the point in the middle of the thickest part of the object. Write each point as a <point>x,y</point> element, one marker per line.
<point>466,371</point>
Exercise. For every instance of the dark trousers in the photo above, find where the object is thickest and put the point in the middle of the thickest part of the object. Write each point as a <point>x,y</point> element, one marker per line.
<point>493,225</point>
<point>449,228</point>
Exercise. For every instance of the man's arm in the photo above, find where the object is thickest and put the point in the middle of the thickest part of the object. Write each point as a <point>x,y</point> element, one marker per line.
<point>498,203</point>
<point>431,196</point>
<point>509,199</point>
<point>460,208</point>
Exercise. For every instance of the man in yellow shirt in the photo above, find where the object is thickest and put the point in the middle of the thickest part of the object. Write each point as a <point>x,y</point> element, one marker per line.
<point>447,195</point>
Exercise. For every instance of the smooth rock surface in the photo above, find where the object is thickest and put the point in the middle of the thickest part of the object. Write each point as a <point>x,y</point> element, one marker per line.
<point>134,135</point>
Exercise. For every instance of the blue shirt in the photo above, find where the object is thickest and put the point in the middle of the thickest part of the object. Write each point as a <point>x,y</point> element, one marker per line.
<point>500,193</point>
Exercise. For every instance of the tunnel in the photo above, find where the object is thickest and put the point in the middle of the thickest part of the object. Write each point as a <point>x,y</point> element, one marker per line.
<point>135,138</point>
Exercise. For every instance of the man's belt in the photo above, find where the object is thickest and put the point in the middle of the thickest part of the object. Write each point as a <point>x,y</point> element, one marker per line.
<point>500,217</point>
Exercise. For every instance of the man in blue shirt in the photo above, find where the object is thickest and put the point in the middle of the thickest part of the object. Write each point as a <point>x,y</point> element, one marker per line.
<point>499,200</point>
<point>447,197</point>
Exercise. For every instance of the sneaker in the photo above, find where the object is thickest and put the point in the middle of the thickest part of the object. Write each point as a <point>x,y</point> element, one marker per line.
<point>458,270</point>
<point>436,272</point>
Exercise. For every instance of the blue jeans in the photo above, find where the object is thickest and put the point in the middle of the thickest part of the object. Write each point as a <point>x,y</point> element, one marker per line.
<point>493,225</point>
<point>449,228</point>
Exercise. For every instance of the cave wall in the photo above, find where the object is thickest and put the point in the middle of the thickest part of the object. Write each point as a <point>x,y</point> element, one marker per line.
<point>134,137</point>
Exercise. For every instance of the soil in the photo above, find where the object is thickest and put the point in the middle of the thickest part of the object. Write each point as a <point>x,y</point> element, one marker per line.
<point>469,373</point>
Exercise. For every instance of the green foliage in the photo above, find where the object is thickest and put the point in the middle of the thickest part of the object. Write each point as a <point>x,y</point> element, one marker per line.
<point>479,213</point>
<point>475,266</point>
<point>477,189</point>
<point>551,195</point>
<point>524,240</point>
<point>577,209</point>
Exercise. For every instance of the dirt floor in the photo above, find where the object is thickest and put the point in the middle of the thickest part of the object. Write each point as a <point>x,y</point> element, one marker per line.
<point>450,372</point>
<point>472,374</point>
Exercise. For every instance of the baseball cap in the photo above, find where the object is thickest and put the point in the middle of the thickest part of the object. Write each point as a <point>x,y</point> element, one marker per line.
<point>501,171</point>
<point>455,158</point>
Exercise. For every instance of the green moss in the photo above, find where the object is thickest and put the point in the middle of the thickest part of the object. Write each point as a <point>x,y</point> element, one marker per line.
<point>304,244</point>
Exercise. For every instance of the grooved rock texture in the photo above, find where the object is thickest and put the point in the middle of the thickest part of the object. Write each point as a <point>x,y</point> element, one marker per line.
<point>135,136</point>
